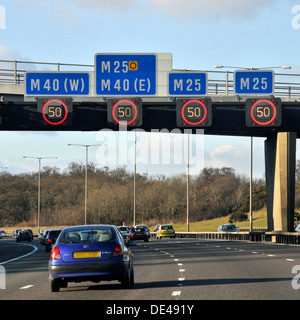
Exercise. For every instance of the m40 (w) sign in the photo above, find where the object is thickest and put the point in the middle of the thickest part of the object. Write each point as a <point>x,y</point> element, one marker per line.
<point>57,83</point>
<point>254,82</point>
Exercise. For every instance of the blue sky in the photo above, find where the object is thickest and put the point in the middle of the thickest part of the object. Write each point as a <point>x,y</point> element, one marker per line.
<point>198,33</point>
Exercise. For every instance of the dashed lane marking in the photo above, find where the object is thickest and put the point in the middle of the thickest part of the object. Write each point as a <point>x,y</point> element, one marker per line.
<point>27,287</point>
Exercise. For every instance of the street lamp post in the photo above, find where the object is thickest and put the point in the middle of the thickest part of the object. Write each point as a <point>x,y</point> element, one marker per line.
<point>86,173</point>
<point>134,182</point>
<point>39,186</point>
<point>187,184</point>
<point>247,68</point>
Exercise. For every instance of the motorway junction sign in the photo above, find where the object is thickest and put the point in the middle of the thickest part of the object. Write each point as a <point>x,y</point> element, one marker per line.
<point>125,74</point>
<point>254,82</point>
<point>187,83</point>
<point>57,83</point>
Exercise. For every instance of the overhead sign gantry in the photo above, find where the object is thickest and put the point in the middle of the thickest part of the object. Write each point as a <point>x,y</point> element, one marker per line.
<point>124,82</point>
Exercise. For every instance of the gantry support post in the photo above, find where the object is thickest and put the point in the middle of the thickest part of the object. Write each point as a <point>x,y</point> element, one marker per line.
<point>280,161</point>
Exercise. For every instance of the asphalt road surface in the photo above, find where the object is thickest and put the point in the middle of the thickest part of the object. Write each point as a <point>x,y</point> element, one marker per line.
<point>165,270</point>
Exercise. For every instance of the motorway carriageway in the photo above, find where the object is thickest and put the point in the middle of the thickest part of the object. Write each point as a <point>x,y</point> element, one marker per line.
<point>166,270</point>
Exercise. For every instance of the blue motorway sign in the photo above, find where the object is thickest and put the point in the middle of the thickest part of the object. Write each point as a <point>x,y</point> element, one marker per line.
<point>187,83</point>
<point>254,82</point>
<point>57,83</point>
<point>125,74</point>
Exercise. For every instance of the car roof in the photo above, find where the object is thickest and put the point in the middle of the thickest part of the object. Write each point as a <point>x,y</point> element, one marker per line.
<point>89,226</point>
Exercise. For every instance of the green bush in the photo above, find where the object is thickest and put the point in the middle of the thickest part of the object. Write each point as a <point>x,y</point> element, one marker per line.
<point>238,217</point>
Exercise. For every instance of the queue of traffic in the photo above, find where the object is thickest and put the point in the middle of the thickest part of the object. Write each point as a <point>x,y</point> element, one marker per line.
<point>96,253</point>
<point>92,252</point>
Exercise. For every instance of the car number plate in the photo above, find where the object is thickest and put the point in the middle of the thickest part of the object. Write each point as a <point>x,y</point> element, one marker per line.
<point>86,254</point>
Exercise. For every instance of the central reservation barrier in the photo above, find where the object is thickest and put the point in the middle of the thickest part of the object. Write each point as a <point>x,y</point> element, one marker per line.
<point>260,236</point>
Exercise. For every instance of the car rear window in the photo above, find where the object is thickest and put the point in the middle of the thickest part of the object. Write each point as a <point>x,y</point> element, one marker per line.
<point>139,229</point>
<point>87,234</point>
<point>54,233</point>
<point>168,227</point>
<point>123,228</point>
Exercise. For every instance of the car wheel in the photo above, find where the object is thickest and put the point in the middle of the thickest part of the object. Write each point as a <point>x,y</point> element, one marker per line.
<point>132,277</point>
<point>128,280</point>
<point>55,285</point>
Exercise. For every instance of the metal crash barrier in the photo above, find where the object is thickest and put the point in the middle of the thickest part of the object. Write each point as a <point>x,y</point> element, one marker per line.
<point>261,236</point>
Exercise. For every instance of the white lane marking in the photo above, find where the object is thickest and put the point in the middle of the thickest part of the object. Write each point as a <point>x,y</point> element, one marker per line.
<point>181,270</point>
<point>181,279</point>
<point>271,255</point>
<point>25,255</point>
<point>289,259</point>
<point>28,286</point>
<point>179,264</point>
<point>176,293</point>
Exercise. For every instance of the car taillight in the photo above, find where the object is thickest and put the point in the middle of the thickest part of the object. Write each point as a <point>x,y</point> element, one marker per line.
<point>49,240</point>
<point>117,252</point>
<point>55,253</point>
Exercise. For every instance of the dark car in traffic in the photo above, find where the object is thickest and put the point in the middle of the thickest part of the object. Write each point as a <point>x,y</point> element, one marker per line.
<point>51,238</point>
<point>124,230</point>
<point>138,233</point>
<point>146,229</point>
<point>30,231</point>
<point>43,237</point>
<point>90,253</point>
<point>23,236</point>
<point>229,227</point>
<point>15,233</point>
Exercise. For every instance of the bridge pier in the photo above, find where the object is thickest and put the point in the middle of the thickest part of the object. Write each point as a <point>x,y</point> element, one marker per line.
<point>280,162</point>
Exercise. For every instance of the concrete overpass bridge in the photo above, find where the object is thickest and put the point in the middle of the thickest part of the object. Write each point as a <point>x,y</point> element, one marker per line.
<point>226,112</point>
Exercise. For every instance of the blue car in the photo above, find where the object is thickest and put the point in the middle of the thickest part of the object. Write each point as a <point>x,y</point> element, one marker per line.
<point>90,253</point>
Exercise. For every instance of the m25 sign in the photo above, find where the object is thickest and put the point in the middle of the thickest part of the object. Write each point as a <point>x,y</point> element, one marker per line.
<point>254,82</point>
